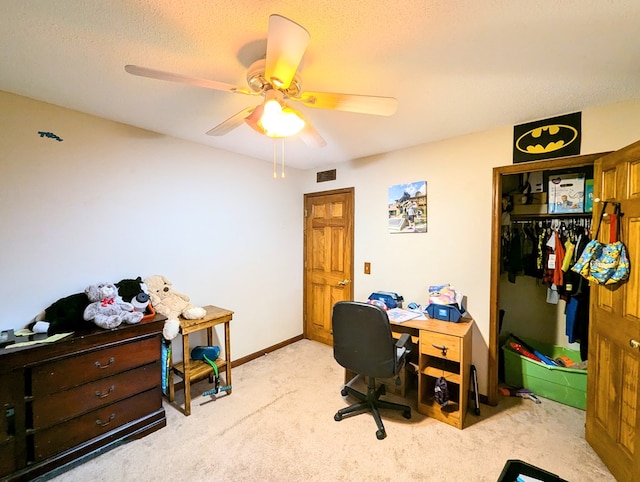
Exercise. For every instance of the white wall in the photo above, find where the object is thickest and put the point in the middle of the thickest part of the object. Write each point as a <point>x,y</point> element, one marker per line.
<point>112,201</point>
<point>457,247</point>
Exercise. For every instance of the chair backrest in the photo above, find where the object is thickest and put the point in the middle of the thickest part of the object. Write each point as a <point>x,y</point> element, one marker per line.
<point>362,340</point>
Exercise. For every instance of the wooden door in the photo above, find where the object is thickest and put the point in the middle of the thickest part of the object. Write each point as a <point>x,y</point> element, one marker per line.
<point>328,259</point>
<point>613,379</point>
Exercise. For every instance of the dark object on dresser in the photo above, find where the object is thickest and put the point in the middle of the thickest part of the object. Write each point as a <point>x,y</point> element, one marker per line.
<point>86,393</point>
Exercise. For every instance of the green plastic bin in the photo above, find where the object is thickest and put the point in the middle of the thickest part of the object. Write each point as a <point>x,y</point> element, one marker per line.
<point>564,385</point>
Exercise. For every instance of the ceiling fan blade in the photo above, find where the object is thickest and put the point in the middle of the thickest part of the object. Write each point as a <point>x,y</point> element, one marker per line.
<point>286,44</point>
<point>253,118</point>
<point>207,84</point>
<point>311,137</point>
<point>231,123</point>
<point>362,104</point>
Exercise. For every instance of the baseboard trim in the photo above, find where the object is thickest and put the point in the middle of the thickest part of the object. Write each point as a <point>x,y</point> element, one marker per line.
<point>258,354</point>
<point>245,359</point>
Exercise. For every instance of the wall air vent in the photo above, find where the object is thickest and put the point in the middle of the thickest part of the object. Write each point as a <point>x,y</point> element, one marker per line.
<point>326,176</point>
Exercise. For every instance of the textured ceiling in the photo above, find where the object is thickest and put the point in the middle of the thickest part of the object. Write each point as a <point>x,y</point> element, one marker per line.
<point>455,66</point>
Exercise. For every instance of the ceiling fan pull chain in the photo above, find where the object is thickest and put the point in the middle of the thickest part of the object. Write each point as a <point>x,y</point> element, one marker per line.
<point>283,158</point>
<point>275,170</point>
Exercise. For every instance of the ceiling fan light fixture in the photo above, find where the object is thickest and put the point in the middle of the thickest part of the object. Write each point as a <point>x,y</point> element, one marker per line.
<point>278,120</point>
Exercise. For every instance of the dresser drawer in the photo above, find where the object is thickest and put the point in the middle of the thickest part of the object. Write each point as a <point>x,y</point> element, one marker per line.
<point>63,436</point>
<point>7,421</point>
<point>76,370</point>
<point>84,398</point>
<point>7,458</point>
<point>452,343</point>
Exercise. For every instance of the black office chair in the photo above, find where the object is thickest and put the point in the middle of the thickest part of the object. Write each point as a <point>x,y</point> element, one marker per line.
<point>362,343</point>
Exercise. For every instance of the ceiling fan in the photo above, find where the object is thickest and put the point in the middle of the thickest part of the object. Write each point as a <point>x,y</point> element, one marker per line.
<point>275,79</point>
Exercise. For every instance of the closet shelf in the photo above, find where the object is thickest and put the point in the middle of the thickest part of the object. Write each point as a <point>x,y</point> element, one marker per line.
<point>521,217</point>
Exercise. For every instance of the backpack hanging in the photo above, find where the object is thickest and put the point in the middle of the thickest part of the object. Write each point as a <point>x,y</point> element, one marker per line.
<point>608,263</point>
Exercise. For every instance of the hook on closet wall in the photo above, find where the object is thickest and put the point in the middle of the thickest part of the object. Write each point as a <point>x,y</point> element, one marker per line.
<point>616,206</point>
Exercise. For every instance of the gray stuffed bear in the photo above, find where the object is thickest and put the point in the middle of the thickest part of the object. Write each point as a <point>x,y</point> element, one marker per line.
<point>107,309</point>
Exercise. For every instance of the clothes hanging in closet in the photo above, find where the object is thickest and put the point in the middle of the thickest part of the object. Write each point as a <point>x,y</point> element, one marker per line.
<point>547,250</point>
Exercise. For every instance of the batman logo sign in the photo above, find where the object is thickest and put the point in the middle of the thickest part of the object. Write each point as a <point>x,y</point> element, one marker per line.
<point>547,138</point>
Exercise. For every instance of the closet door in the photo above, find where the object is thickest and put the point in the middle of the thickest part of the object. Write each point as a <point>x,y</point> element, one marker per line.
<point>613,380</point>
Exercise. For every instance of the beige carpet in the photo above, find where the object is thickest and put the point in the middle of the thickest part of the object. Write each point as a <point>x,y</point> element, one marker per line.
<point>278,425</point>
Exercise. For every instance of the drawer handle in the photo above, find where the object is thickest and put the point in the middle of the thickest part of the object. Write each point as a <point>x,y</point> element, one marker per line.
<point>110,362</point>
<point>443,348</point>
<point>100,423</point>
<point>10,416</point>
<point>107,393</point>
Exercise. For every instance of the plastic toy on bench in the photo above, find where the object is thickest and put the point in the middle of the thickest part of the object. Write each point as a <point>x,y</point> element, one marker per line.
<point>209,354</point>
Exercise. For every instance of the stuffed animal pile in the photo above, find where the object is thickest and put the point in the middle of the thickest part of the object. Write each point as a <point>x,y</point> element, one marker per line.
<point>62,316</point>
<point>134,291</point>
<point>172,304</point>
<point>109,305</point>
<point>107,309</point>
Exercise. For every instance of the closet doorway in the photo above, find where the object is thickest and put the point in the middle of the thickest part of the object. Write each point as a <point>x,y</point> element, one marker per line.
<point>500,174</point>
<point>613,380</point>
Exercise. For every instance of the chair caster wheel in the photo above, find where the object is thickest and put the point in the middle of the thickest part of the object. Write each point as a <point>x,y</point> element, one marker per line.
<point>381,434</point>
<point>406,414</point>
<point>344,392</point>
<point>476,411</point>
<point>337,417</point>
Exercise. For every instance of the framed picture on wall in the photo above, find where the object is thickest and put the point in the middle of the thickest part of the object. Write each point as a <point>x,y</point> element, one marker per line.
<point>407,208</point>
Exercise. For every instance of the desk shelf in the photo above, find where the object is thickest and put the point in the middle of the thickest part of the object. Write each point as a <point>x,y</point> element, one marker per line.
<point>433,372</point>
<point>198,369</point>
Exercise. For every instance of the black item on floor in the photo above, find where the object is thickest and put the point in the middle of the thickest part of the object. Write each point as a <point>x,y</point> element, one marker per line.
<point>513,468</point>
<point>474,388</point>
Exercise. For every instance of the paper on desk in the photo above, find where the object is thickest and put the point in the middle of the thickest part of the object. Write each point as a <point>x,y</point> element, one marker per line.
<point>23,332</point>
<point>49,339</point>
<point>399,315</point>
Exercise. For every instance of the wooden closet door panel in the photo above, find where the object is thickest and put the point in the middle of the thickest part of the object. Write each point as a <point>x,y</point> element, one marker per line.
<point>613,380</point>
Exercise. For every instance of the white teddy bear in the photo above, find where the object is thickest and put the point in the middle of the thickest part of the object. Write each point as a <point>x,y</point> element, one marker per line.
<point>170,303</point>
<point>107,309</point>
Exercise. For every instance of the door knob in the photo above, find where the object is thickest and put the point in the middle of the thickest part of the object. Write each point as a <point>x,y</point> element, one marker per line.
<point>634,344</point>
<point>344,282</point>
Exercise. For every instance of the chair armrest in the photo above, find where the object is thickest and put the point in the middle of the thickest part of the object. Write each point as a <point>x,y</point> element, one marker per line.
<point>404,341</point>
<point>403,348</point>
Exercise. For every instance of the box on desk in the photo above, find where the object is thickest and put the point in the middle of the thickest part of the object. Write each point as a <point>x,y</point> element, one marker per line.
<point>445,312</point>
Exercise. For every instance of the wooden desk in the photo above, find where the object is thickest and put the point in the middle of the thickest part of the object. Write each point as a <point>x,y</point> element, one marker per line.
<point>194,370</point>
<point>432,364</point>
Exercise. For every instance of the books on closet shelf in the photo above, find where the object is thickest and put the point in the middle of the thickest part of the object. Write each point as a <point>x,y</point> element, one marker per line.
<point>399,315</point>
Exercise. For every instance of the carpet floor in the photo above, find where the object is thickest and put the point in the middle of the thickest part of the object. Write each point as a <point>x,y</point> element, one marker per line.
<point>278,425</point>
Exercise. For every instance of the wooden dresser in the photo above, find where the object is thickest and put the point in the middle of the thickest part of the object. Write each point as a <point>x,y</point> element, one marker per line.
<point>88,392</point>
